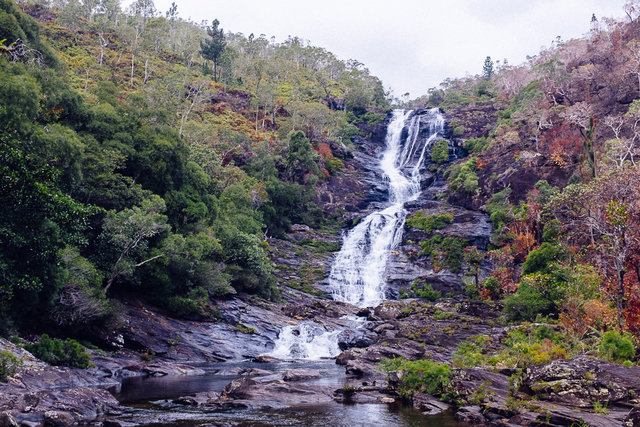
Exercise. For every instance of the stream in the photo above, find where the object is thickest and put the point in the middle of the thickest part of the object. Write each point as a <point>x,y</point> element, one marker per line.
<point>148,401</point>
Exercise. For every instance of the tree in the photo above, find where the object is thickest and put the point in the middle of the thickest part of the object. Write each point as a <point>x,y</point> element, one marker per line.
<point>213,47</point>
<point>301,158</point>
<point>607,207</point>
<point>128,232</point>
<point>487,69</point>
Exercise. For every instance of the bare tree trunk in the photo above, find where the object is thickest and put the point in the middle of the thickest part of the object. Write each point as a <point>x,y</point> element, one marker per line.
<point>146,70</point>
<point>103,43</point>
<point>133,56</point>
<point>86,81</point>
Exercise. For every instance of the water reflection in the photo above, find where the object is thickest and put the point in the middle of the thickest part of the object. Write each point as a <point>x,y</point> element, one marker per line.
<point>149,401</point>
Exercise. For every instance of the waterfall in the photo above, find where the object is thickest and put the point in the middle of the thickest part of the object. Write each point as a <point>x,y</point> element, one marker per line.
<point>357,274</point>
<point>307,340</point>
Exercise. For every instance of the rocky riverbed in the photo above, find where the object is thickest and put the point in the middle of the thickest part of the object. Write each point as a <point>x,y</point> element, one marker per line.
<point>560,393</point>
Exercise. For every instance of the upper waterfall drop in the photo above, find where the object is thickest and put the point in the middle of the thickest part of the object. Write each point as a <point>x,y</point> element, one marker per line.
<point>357,273</point>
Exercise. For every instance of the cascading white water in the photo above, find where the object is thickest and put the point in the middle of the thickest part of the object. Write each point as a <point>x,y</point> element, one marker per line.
<point>357,274</point>
<point>307,340</point>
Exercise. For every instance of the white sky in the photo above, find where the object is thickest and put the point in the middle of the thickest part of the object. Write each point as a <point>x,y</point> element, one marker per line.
<point>411,45</point>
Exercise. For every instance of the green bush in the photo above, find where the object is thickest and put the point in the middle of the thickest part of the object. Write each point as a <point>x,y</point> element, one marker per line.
<point>419,376</point>
<point>458,131</point>
<point>61,353</point>
<point>475,145</point>
<point>617,347</point>
<point>539,260</point>
<point>429,223</point>
<point>463,176</point>
<point>426,291</point>
<point>445,252</point>
<point>526,304</point>
<point>440,152</point>
<point>9,364</point>
<point>333,165</point>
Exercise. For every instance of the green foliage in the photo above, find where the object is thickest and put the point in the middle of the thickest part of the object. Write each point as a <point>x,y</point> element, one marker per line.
<point>475,145</point>
<point>419,376</point>
<point>471,353</point>
<point>301,159</point>
<point>62,353</point>
<point>458,132</point>
<point>463,176</point>
<point>213,47</point>
<point>538,294</point>
<point>487,69</point>
<point>9,365</point>
<point>617,347</point>
<point>440,152</point>
<point>523,346</point>
<point>445,252</point>
<point>425,291</point>
<point>371,118</point>
<point>499,209</point>
<point>333,165</point>
<point>429,223</point>
<point>540,260</point>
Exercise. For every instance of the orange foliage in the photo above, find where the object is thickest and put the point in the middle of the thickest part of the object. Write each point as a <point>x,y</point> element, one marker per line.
<point>563,140</point>
<point>523,243</point>
<point>505,277</point>
<point>324,150</point>
<point>579,318</point>
<point>558,159</point>
<point>481,164</point>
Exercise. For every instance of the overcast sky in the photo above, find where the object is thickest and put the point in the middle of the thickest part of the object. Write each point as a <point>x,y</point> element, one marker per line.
<point>411,45</point>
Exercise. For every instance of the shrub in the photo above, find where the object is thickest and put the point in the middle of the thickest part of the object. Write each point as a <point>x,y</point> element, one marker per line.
<point>458,131</point>
<point>431,222</point>
<point>539,260</point>
<point>333,165</point>
<point>426,291</point>
<point>440,152</point>
<point>526,304</point>
<point>61,353</point>
<point>9,364</point>
<point>419,376</point>
<point>617,347</point>
<point>463,176</point>
<point>444,251</point>
<point>475,145</point>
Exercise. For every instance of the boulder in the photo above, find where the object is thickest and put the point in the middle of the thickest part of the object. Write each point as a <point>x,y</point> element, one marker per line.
<point>428,404</point>
<point>359,338</point>
<point>300,228</point>
<point>271,393</point>
<point>300,374</point>
<point>471,415</point>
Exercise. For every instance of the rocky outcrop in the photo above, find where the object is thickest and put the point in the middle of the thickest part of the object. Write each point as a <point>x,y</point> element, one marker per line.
<point>415,329</point>
<point>582,381</point>
<point>54,395</point>
<point>274,391</point>
<point>561,393</point>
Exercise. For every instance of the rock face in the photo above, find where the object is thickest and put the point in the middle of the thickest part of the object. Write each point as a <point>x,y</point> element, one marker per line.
<point>561,393</point>
<point>582,381</point>
<point>56,396</point>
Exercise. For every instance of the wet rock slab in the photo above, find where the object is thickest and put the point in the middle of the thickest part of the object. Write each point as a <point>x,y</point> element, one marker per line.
<point>277,391</point>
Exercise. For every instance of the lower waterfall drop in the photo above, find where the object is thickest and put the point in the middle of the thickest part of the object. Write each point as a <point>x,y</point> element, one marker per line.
<point>307,340</point>
<point>357,274</point>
